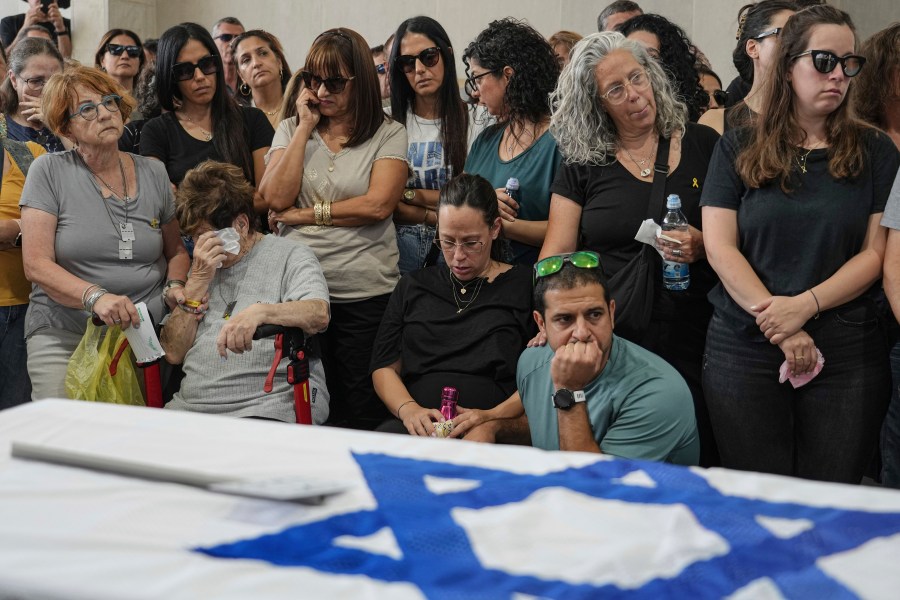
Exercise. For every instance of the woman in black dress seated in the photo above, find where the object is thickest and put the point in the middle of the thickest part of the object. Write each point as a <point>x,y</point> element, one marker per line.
<point>462,324</point>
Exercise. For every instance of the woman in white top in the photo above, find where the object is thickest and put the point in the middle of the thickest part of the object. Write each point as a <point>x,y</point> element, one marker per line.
<point>335,174</point>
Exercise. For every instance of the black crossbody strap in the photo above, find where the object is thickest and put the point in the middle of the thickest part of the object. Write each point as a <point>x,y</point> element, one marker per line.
<point>661,173</point>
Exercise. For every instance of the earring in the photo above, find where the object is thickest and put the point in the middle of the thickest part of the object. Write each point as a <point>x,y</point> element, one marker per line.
<point>280,74</point>
<point>244,89</point>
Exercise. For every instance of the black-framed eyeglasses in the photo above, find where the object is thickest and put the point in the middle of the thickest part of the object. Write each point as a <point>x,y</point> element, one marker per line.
<point>226,37</point>
<point>472,82</point>
<point>35,83</point>
<point>381,68</point>
<point>764,34</point>
<point>825,62</point>
<point>617,93</point>
<point>470,247</point>
<point>428,57</point>
<point>90,111</point>
<point>185,70</point>
<point>118,49</point>
<point>334,85</point>
<point>583,259</point>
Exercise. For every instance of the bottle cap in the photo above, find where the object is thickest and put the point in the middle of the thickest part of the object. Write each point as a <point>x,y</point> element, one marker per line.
<point>512,183</point>
<point>673,201</point>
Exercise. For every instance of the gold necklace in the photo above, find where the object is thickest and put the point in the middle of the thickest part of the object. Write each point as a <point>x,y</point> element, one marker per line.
<point>464,303</point>
<point>206,134</point>
<point>801,159</point>
<point>645,171</point>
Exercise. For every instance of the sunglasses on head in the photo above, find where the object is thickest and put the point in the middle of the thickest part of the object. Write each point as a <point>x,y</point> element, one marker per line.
<point>583,259</point>
<point>185,70</point>
<point>118,49</point>
<point>825,62</point>
<point>334,85</point>
<point>428,57</point>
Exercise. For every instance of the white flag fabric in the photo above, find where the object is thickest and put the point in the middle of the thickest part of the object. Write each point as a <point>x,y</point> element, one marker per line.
<point>424,518</point>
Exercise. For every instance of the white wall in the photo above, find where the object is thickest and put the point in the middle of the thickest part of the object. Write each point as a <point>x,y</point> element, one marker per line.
<point>711,24</point>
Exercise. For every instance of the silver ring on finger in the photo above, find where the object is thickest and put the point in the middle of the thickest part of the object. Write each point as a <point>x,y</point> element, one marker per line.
<point>677,252</point>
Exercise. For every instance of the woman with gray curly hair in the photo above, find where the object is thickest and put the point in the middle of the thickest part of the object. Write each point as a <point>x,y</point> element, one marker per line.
<point>613,108</point>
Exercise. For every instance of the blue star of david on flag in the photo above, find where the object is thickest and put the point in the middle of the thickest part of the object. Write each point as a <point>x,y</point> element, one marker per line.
<point>438,549</point>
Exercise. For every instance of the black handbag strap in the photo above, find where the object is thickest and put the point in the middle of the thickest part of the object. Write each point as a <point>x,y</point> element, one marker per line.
<point>658,192</point>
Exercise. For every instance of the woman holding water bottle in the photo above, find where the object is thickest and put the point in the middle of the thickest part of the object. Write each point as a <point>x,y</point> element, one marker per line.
<point>615,114</point>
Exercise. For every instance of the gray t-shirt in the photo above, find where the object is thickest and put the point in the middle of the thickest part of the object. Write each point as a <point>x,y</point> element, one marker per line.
<point>358,262</point>
<point>276,270</point>
<point>891,218</point>
<point>87,235</point>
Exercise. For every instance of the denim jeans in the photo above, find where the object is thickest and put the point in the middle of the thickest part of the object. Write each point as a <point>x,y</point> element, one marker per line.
<point>890,431</point>
<point>15,386</point>
<point>414,242</point>
<point>824,430</point>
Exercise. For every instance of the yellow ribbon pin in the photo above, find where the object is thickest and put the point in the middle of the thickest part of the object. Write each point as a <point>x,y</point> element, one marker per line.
<point>696,185</point>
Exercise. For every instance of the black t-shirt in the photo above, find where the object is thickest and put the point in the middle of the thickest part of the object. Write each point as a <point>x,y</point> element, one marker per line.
<point>796,241</point>
<point>164,138</point>
<point>736,92</point>
<point>614,204</point>
<point>439,346</point>
<point>10,26</point>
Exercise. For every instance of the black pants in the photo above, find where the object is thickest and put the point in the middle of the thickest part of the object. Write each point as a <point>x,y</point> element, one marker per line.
<point>824,430</point>
<point>346,354</point>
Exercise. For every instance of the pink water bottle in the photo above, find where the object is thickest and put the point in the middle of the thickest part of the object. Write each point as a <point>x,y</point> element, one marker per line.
<point>449,396</point>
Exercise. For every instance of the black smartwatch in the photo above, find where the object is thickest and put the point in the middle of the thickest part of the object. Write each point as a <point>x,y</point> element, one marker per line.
<point>565,399</point>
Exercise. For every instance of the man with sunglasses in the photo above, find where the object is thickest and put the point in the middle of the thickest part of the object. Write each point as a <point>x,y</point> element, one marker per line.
<point>225,30</point>
<point>587,390</point>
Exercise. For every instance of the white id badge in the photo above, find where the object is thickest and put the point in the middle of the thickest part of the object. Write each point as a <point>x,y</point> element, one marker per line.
<point>124,249</point>
<point>127,231</point>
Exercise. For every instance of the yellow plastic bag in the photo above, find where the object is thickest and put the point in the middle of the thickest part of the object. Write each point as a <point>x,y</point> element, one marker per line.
<point>102,371</point>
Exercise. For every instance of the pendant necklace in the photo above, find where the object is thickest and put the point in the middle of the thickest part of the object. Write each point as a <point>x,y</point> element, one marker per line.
<point>462,303</point>
<point>801,158</point>
<point>207,135</point>
<point>232,273</point>
<point>645,171</point>
<point>124,231</point>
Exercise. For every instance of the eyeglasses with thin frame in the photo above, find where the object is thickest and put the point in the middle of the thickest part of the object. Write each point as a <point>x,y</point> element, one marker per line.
<point>617,93</point>
<point>381,68</point>
<point>35,84</point>
<point>428,57</point>
<point>90,110</point>
<point>583,259</point>
<point>185,70</point>
<point>118,49</point>
<point>473,83</point>
<point>825,62</point>
<point>469,247</point>
<point>764,34</point>
<point>334,85</point>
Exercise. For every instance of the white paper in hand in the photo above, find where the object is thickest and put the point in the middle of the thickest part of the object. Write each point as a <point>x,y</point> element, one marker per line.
<point>649,231</point>
<point>143,340</point>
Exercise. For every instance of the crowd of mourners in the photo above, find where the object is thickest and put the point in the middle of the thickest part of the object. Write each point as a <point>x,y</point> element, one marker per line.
<point>427,229</point>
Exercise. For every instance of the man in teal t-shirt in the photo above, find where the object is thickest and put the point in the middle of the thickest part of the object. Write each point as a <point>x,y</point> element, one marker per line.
<point>591,391</point>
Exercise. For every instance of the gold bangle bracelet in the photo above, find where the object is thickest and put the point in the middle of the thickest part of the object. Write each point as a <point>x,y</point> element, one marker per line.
<point>317,213</point>
<point>326,214</point>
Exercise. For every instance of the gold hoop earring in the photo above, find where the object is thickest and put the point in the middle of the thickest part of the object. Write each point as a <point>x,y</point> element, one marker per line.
<point>244,89</point>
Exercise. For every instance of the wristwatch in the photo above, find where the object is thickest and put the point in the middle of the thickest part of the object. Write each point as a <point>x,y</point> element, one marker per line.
<point>409,194</point>
<point>565,399</point>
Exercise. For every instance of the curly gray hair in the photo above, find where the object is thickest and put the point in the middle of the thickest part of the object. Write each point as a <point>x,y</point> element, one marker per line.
<point>584,132</point>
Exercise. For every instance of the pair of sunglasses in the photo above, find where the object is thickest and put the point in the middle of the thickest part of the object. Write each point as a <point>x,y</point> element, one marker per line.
<point>118,49</point>
<point>719,96</point>
<point>185,70</point>
<point>583,259</point>
<point>334,85</point>
<point>428,57</point>
<point>226,37</point>
<point>825,62</point>
<point>381,68</point>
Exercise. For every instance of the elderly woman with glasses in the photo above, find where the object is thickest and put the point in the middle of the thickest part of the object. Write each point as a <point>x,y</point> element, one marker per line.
<point>98,228</point>
<point>121,55</point>
<point>203,121</point>
<point>461,325</point>
<point>336,172</point>
<point>615,116</point>
<point>31,63</point>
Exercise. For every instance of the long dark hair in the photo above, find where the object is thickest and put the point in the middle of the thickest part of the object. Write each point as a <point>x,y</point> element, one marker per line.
<point>878,85</point>
<point>753,19</point>
<point>677,55</point>
<point>107,38</point>
<point>231,138</point>
<point>451,109</point>
<point>475,192</point>
<point>771,153</point>
<point>516,44</point>
<point>342,50</point>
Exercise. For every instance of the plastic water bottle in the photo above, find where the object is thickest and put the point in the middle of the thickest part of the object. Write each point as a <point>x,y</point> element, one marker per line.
<point>676,275</point>
<point>449,396</point>
<point>512,188</point>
